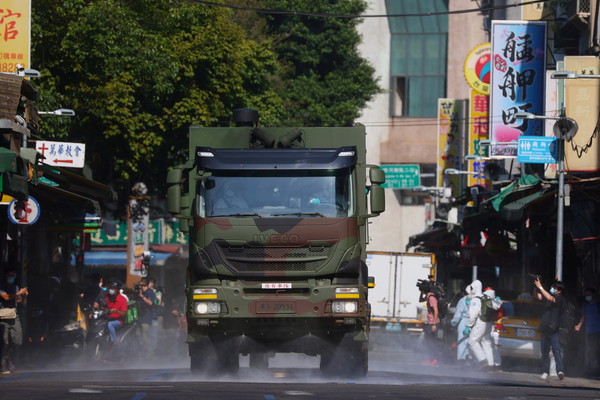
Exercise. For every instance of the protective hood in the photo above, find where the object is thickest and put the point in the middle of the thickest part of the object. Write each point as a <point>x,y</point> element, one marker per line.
<point>474,289</point>
<point>491,293</point>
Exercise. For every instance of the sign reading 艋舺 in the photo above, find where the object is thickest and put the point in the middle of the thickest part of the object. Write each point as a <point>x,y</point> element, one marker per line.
<point>401,176</point>
<point>517,84</point>
<point>62,154</point>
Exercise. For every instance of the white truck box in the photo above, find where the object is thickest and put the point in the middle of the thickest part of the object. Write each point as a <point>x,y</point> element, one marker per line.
<point>395,298</point>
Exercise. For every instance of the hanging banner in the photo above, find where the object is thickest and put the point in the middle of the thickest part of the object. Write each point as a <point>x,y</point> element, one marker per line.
<point>478,131</point>
<point>517,82</point>
<point>582,102</point>
<point>15,34</point>
<point>138,238</point>
<point>449,113</point>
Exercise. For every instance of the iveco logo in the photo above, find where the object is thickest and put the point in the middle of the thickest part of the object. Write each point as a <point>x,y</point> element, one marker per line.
<point>280,239</point>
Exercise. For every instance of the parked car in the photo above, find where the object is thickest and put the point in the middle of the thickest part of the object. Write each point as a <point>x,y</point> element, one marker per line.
<point>518,329</point>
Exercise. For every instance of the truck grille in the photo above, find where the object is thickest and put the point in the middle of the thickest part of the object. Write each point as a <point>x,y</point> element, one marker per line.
<point>274,259</point>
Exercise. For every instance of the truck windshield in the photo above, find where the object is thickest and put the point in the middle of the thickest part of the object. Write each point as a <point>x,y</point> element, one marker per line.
<point>277,194</point>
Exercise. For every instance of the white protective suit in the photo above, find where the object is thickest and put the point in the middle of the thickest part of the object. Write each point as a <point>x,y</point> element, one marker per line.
<point>460,322</point>
<point>480,343</point>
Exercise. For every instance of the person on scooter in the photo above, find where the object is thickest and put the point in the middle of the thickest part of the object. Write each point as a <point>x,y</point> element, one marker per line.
<point>117,306</point>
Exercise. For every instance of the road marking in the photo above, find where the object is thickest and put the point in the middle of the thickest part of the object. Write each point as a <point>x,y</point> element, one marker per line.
<point>297,393</point>
<point>269,397</point>
<point>16,377</point>
<point>156,375</point>
<point>139,396</point>
<point>83,390</point>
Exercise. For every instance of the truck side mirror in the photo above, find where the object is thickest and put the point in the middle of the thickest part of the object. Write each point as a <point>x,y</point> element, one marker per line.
<point>376,175</point>
<point>377,198</point>
<point>376,191</point>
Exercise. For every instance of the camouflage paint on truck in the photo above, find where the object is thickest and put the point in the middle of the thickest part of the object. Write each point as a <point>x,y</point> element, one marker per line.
<point>277,221</point>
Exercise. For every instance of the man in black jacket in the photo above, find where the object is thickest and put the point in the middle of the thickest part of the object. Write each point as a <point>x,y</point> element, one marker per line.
<point>554,304</point>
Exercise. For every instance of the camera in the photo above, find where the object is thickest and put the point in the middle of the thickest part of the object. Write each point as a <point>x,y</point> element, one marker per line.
<point>424,285</point>
<point>137,288</point>
<point>535,276</point>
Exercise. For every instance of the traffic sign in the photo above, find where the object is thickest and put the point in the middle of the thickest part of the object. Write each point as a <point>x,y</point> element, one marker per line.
<point>537,150</point>
<point>401,176</point>
<point>62,154</point>
<point>23,212</point>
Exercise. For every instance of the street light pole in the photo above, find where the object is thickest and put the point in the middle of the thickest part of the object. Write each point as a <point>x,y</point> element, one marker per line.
<point>563,128</point>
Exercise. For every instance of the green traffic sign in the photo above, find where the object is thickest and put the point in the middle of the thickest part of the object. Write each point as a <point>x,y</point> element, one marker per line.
<point>402,176</point>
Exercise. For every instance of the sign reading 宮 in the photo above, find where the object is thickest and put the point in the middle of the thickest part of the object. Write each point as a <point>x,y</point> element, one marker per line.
<point>401,176</point>
<point>62,154</point>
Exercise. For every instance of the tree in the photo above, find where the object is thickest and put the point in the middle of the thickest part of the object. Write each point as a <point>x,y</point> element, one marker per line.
<point>326,81</point>
<point>139,72</point>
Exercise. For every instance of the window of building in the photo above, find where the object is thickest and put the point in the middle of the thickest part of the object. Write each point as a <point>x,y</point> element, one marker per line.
<point>418,57</point>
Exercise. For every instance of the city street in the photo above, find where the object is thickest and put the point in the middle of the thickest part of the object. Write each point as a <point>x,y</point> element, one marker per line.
<point>395,372</point>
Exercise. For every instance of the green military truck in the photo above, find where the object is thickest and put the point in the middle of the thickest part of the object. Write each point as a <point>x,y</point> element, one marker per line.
<point>277,220</point>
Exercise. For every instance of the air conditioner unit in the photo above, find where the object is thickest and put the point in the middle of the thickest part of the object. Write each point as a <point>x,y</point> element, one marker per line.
<point>578,13</point>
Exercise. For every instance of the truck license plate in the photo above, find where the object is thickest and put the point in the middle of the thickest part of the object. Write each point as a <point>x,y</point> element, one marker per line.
<point>275,307</point>
<point>525,332</point>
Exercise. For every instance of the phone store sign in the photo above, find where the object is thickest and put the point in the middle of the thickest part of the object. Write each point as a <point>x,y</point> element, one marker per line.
<point>518,82</point>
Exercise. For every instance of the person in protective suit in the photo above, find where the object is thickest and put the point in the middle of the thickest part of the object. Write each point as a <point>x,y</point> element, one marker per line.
<point>459,321</point>
<point>480,344</point>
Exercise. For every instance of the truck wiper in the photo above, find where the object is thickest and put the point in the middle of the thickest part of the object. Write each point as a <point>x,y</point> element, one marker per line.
<point>237,215</point>
<point>314,214</point>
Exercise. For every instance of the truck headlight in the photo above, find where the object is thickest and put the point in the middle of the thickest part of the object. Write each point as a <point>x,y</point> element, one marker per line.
<point>207,307</point>
<point>344,307</point>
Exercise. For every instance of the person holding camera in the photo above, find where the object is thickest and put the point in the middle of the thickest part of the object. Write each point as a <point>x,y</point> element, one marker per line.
<point>554,304</point>
<point>147,298</point>
<point>430,330</point>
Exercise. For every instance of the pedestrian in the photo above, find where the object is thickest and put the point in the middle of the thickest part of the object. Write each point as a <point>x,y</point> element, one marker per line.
<point>146,299</point>
<point>93,291</point>
<point>590,319</point>
<point>549,326</point>
<point>11,296</point>
<point>433,322</point>
<point>459,321</point>
<point>156,311</point>
<point>478,330</point>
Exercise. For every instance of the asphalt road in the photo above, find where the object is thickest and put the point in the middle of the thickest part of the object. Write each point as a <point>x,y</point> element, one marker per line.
<point>396,372</point>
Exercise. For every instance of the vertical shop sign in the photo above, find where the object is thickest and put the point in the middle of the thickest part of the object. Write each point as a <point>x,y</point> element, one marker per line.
<point>582,102</point>
<point>15,34</point>
<point>138,237</point>
<point>478,131</point>
<point>449,113</point>
<point>518,82</point>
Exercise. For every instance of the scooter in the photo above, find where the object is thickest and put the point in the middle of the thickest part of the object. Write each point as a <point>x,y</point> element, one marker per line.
<point>98,344</point>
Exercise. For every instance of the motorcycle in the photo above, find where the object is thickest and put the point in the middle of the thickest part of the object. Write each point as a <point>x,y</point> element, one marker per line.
<point>98,344</point>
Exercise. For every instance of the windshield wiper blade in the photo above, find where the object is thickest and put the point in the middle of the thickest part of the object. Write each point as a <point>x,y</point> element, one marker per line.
<point>237,215</point>
<point>314,214</point>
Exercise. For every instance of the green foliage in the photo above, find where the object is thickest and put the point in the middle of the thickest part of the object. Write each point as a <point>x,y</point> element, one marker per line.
<point>139,72</point>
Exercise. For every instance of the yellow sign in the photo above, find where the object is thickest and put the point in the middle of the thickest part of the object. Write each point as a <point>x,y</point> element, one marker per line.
<point>477,68</point>
<point>449,139</point>
<point>478,131</point>
<point>582,102</point>
<point>15,34</point>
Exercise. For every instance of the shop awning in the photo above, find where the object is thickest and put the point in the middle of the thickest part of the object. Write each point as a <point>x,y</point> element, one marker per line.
<point>513,211</point>
<point>61,198</point>
<point>118,258</point>
<point>433,239</point>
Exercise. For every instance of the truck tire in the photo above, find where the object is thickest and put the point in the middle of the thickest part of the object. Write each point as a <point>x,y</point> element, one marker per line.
<point>348,359</point>
<point>259,361</point>
<point>200,357</point>
<point>228,355</point>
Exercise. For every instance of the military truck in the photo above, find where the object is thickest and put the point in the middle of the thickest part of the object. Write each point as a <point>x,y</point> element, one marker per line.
<point>277,221</point>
